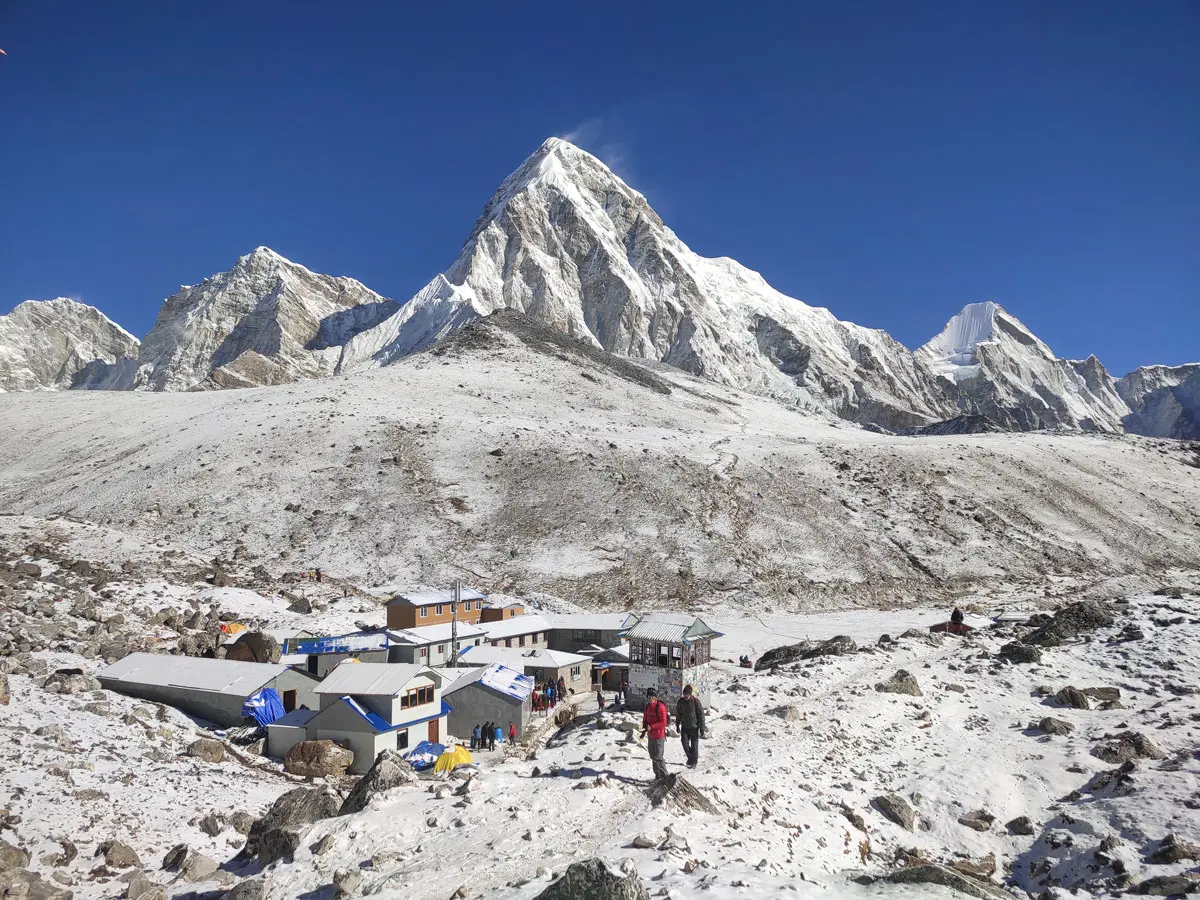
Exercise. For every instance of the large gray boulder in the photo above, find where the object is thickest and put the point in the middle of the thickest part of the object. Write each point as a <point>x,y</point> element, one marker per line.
<point>390,770</point>
<point>781,656</point>
<point>12,857</point>
<point>1071,622</point>
<point>318,759</point>
<point>1128,745</point>
<point>896,809</point>
<point>903,682</point>
<point>592,879</point>
<point>207,749</point>
<point>255,646</point>
<point>279,832</point>
<point>946,877</point>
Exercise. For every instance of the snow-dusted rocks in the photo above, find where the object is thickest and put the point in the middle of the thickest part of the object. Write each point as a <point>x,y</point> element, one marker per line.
<point>570,245</point>
<point>265,321</point>
<point>60,344</point>
<point>998,368</point>
<point>1164,401</point>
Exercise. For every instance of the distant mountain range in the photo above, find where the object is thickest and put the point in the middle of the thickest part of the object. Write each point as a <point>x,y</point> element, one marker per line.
<point>569,245</point>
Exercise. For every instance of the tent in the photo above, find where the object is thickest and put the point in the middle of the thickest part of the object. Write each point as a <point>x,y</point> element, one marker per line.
<point>264,706</point>
<point>453,758</point>
<point>951,628</point>
<point>424,755</point>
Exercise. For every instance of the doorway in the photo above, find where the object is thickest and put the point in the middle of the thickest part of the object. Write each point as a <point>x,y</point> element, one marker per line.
<point>289,701</point>
<point>434,730</point>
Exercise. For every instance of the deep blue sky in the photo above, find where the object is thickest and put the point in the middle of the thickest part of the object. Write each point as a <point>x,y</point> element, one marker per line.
<point>889,160</point>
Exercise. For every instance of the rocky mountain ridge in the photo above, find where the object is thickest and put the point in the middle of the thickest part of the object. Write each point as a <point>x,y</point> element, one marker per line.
<point>568,244</point>
<point>64,344</point>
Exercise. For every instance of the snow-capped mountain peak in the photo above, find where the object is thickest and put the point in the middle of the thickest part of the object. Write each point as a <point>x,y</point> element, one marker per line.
<point>62,343</point>
<point>265,321</point>
<point>1001,369</point>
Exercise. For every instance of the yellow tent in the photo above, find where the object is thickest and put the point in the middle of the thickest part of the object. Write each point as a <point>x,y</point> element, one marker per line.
<point>453,758</point>
<point>233,627</point>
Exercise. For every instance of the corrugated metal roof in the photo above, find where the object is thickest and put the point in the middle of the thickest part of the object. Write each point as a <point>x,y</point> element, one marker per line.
<point>519,658</point>
<point>590,621</point>
<point>358,642</point>
<point>295,719</point>
<point>372,679</point>
<point>513,627</point>
<point>670,627</point>
<point>429,598</point>
<point>218,676</point>
<point>510,682</point>
<point>435,634</point>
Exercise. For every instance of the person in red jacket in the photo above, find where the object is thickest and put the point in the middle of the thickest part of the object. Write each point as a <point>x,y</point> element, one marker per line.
<point>654,723</point>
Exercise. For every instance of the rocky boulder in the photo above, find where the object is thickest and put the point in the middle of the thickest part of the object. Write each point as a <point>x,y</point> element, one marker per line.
<point>1071,622</point>
<point>977,820</point>
<point>896,809</point>
<point>22,884</point>
<point>318,759</point>
<point>947,877</point>
<point>118,855</point>
<point>1167,886</point>
<point>12,857</point>
<point>278,833</point>
<point>207,749</point>
<point>787,713</point>
<point>70,681</point>
<point>250,889</point>
<point>1021,825</point>
<point>835,646</point>
<point>1173,850</point>
<point>902,682</point>
<point>1128,745</point>
<point>592,879</point>
<point>1051,725</point>
<point>781,656</point>
<point>1073,697</point>
<point>255,646</point>
<point>390,770</point>
<point>5,692</point>
<point>1018,653</point>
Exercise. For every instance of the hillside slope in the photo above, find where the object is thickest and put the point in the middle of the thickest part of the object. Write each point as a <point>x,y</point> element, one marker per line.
<point>523,461</point>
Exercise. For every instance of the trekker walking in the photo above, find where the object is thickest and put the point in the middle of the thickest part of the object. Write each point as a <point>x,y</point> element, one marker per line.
<point>512,733</point>
<point>654,724</point>
<point>561,690</point>
<point>689,713</point>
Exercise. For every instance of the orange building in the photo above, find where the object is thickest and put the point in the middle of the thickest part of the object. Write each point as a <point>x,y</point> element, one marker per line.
<point>433,608</point>
<point>499,610</point>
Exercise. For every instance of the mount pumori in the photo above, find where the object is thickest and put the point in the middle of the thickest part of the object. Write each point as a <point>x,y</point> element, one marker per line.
<point>569,245</point>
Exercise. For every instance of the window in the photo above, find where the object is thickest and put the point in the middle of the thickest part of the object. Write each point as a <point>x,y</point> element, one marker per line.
<point>477,642</point>
<point>402,740</point>
<point>424,611</point>
<point>575,672</point>
<point>495,643</point>
<point>424,651</point>
<point>417,697</point>
<point>438,610</point>
<point>521,641</point>
<point>676,657</point>
<point>508,642</point>
<point>635,652</point>
<point>441,650</point>
<point>664,655</point>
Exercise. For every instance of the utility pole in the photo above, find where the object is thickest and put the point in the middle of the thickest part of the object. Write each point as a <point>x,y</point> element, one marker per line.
<point>455,593</point>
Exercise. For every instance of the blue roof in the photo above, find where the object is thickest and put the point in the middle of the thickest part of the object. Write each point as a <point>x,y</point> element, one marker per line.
<point>380,724</point>
<point>347,643</point>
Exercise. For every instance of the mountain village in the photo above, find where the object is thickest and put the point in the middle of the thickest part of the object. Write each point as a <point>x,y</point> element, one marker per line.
<point>313,594</point>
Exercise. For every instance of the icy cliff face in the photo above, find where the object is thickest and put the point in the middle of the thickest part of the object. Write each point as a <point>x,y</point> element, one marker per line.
<point>568,244</point>
<point>60,344</point>
<point>265,321</point>
<point>1000,369</point>
<point>1164,401</point>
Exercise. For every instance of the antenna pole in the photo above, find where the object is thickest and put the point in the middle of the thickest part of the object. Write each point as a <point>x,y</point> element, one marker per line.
<point>454,595</point>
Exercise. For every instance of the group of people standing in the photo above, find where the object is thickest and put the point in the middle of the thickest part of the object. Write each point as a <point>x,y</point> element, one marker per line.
<point>689,713</point>
<point>489,734</point>
<point>547,695</point>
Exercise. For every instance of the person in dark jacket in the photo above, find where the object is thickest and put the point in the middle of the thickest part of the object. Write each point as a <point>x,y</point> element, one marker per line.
<point>689,713</point>
<point>956,617</point>
<point>654,724</point>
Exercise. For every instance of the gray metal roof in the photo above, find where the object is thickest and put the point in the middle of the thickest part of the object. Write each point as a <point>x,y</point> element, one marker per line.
<point>430,598</point>
<point>434,634</point>
<point>517,625</point>
<point>670,627</point>
<point>219,676</point>
<point>372,679</point>
<point>590,621</point>
<point>510,682</point>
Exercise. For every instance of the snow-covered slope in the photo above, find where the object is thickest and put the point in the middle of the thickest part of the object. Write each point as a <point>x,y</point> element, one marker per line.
<point>265,321</point>
<point>55,344</point>
<point>1163,400</point>
<point>1000,369</point>
<point>613,479</point>
<point>570,245</point>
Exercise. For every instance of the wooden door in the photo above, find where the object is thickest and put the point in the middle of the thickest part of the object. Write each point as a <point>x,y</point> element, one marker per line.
<point>289,701</point>
<point>434,730</point>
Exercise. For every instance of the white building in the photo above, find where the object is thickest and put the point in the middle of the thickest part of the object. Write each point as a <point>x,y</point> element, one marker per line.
<point>372,707</point>
<point>430,645</point>
<point>542,664</point>
<point>519,631</point>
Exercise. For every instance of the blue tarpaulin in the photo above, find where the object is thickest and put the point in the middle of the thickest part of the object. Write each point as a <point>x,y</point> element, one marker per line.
<point>424,755</point>
<point>263,706</point>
